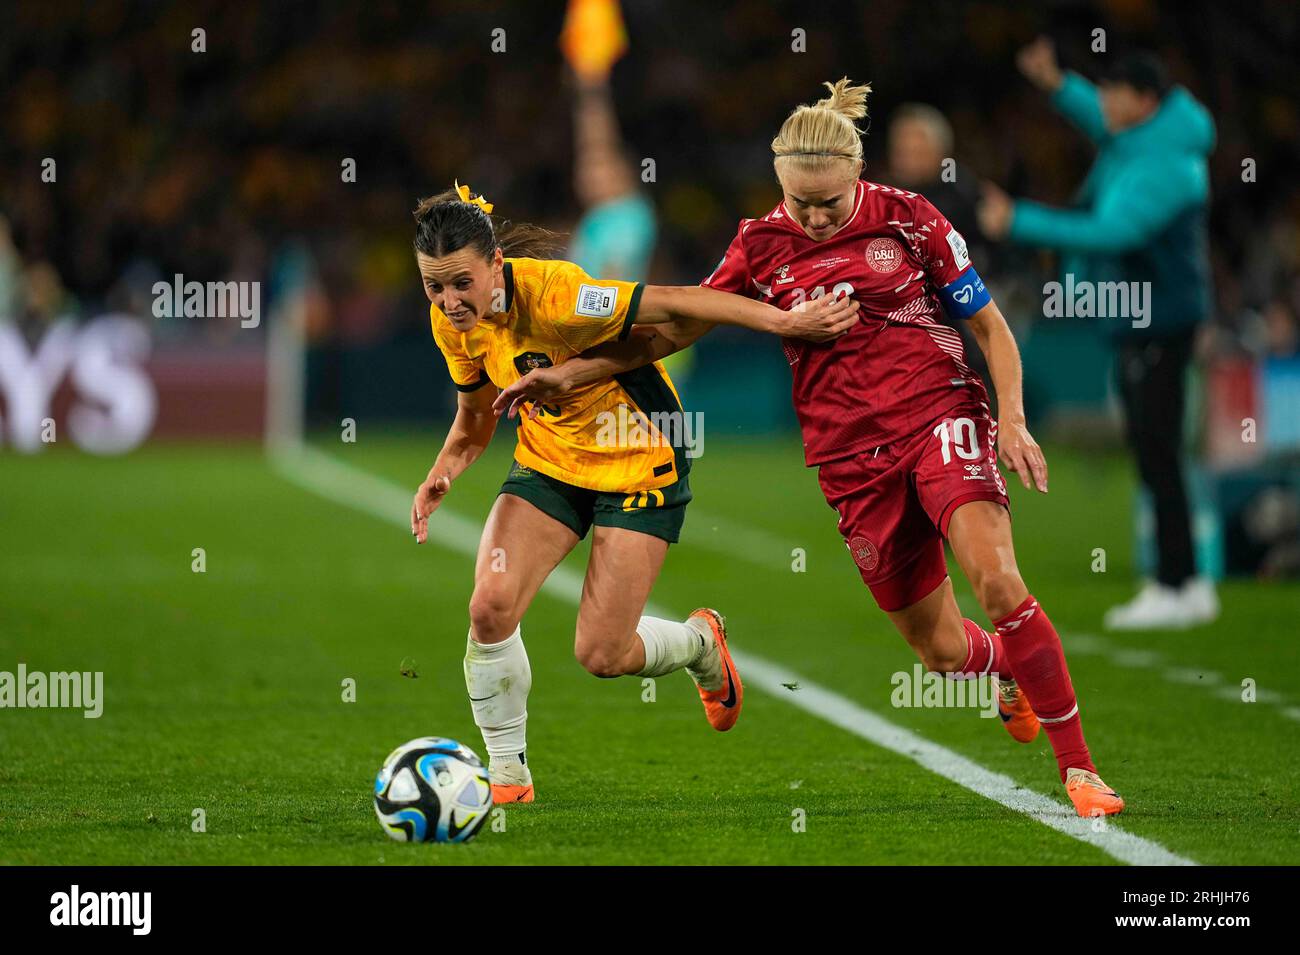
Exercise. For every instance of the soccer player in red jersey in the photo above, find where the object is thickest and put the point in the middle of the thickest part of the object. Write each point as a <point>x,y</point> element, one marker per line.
<point>897,425</point>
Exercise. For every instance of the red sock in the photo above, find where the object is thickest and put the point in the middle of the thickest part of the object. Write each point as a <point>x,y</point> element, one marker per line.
<point>1034,651</point>
<point>984,654</point>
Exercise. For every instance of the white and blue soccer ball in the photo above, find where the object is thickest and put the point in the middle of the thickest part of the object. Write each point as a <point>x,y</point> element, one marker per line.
<point>432,789</point>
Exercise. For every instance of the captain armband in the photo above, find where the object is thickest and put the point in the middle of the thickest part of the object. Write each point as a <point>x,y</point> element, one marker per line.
<point>965,295</point>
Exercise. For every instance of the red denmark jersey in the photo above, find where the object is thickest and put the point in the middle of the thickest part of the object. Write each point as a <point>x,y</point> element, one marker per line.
<point>898,370</point>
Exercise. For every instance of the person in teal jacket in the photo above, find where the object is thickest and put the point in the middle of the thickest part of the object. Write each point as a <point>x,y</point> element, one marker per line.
<point>1139,219</point>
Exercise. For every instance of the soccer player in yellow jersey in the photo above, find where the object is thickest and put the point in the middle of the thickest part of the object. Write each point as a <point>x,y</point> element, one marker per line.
<point>605,460</point>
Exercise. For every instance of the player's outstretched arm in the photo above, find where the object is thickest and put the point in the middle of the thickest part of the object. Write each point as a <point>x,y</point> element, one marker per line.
<point>645,344</point>
<point>468,436</point>
<point>817,320</point>
<point>1016,446</point>
<point>669,319</point>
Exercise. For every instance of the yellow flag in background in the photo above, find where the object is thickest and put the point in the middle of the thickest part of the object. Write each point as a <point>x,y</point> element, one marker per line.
<point>594,37</point>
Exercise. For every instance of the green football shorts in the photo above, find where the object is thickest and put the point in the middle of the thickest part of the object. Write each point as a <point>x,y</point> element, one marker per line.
<point>659,513</point>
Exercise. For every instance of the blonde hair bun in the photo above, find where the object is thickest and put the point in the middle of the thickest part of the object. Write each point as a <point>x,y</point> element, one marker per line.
<point>826,131</point>
<point>846,99</point>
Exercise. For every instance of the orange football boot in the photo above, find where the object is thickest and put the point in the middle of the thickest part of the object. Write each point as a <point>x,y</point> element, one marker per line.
<point>1014,709</point>
<point>1091,797</point>
<point>511,782</point>
<point>721,706</point>
<point>506,794</point>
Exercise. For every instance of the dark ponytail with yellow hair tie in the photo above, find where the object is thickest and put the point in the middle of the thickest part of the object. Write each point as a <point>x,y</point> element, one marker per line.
<point>459,219</point>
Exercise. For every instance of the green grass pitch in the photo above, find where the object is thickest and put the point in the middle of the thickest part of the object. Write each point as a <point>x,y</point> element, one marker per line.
<point>223,689</point>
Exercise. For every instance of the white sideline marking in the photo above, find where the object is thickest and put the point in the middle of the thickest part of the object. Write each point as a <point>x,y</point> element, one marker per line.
<point>1211,681</point>
<point>345,484</point>
<point>722,536</point>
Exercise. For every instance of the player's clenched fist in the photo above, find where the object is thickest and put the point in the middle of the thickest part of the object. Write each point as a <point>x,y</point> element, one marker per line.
<point>823,318</point>
<point>427,499</point>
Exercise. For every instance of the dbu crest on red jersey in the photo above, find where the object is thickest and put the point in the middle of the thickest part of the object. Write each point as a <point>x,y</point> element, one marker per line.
<point>899,367</point>
<point>864,553</point>
<point>884,255</point>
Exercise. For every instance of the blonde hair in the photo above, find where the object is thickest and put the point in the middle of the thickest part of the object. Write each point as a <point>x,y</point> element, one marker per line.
<point>814,137</point>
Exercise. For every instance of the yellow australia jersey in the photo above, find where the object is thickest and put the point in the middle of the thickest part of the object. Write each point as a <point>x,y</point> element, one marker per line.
<point>606,436</point>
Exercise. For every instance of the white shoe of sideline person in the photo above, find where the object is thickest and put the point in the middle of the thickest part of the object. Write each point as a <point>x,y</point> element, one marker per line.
<point>1200,599</point>
<point>1160,607</point>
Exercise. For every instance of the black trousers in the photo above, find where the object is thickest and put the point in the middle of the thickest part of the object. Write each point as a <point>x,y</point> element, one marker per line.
<point>1152,378</point>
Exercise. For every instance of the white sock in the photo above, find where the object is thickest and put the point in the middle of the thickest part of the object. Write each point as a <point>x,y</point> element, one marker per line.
<point>669,645</point>
<point>498,678</point>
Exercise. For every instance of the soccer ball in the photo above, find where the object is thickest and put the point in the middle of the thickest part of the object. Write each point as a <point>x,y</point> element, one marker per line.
<point>432,789</point>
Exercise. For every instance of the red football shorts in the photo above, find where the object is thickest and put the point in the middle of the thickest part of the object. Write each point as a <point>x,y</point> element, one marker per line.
<point>895,501</point>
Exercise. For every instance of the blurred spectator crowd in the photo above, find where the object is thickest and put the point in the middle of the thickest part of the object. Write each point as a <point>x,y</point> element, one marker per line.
<point>226,164</point>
